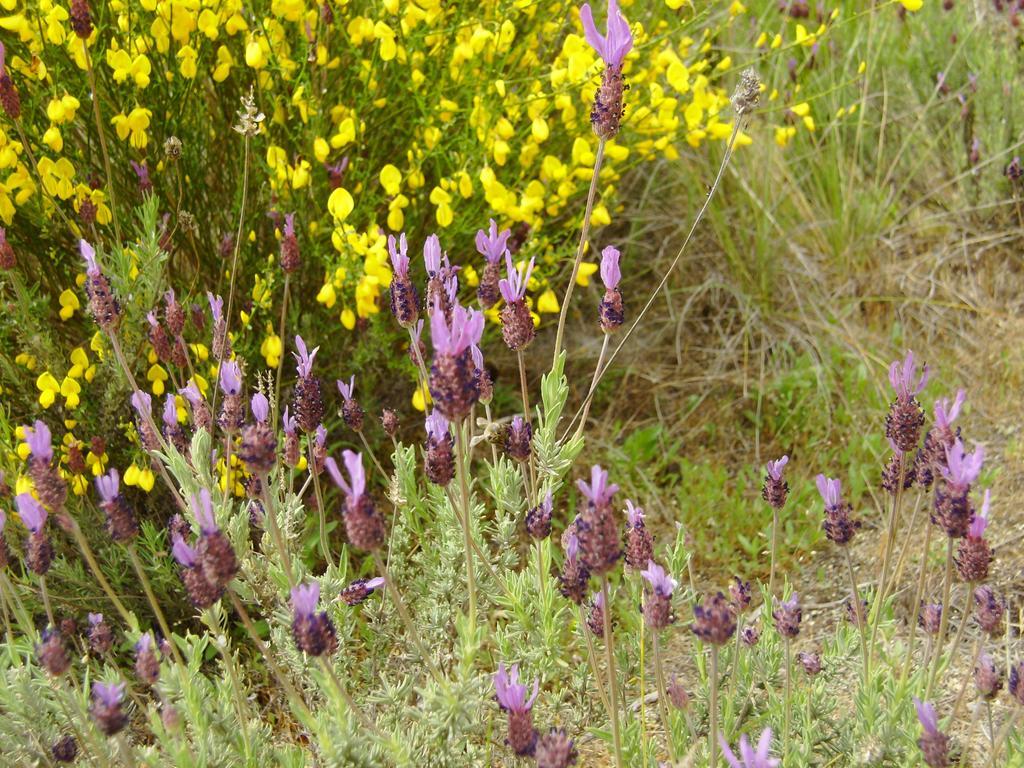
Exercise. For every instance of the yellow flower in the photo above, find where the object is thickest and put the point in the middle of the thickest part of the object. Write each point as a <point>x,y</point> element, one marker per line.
<point>390,179</point>
<point>327,296</point>
<point>224,64</point>
<point>587,268</point>
<point>912,5</point>
<point>68,304</point>
<point>132,127</point>
<point>340,204</point>
<point>271,349</point>
<point>140,477</point>
<point>348,318</point>
<point>548,302</point>
<point>69,390</point>
<point>124,66</point>
<point>48,389</point>
<point>157,376</point>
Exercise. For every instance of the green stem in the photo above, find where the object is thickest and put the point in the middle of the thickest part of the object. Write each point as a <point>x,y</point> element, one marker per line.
<point>103,140</point>
<point>713,714</point>
<point>270,516</point>
<point>97,572</point>
<point>148,589</point>
<point>46,601</point>
<point>280,360</point>
<point>467,523</point>
<point>592,659</point>
<point>342,691</point>
<point>613,685</point>
<point>524,389</point>
<point>788,702</point>
<point>659,673</point>
<point>775,550</point>
<point>859,614</point>
<point>944,621</point>
<point>584,232</point>
<point>325,547</point>
<point>916,605</point>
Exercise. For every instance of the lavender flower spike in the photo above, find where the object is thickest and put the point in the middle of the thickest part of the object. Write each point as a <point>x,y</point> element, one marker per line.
<point>230,377</point>
<point>513,287</point>
<point>305,598</point>
<point>962,468</point>
<point>619,41</point>
<point>432,255</point>
<point>108,485</point>
<point>89,254</point>
<point>945,414</point>
<point>204,512</point>
<point>749,757</point>
<point>599,492</point>
<point>39,441</point>
<point>610,272</point>
<point>216,306</point>
<point>356,486</point>
<point>933,743</point>
<point>660,581</point>
<point>142,403</point>
<point>980,520</point>
<point>831,490</point>
<point>510,692</point>
<point>492,243</point>
<point>775,468</point>
<point>108,694</point>
<point>901,376</point>
<point>399,257</point>
<point>465,330</point>
<point>260,407</point>
<point>304,358</point>
<point>31,512</point>
<point>183,553</point>
<point>347,390</point>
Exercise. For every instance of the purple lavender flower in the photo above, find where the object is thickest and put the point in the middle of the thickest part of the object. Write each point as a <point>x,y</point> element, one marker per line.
<point>10,100</point>
<point>713,619</point>
<point>304,358</point>
<point>574,576</point>
<point>598,533</point>
<point>351,411</point>
<point>953,509</point>
<point>905,418</point>
<point>538,519</point>
<point>811,662</point>
<point>360,589</point>
<point>291,256</point>
<point>39,441</point>
<point>453,380</point>
<point>930,618</point>
<point>101,637</point>
<point>292,450</point>
<point>92,268</point>
<point>142,172</point>
<point>31,512</point>
<point>606,114</point>
<point>230,378</point>
<point>404,298</point>
<point>619,40</point>
<point>492,244</point>
<point>639,542</point>
<point>432,256</point>
<point>555,750</point>
<point>516,321</point>
<point>988,680</point>
<point>775,488</point>
<point>657,606</point>
<point>120,520</point>
<point>103,305</point>
<point>974,554</point>
<point>749,757</point>
<point>677,693</point>
<point>787,616</point>
<point>962,468</point>
<point>363,525</point>
<point>221,341</point>
<point>147,663</point>
<point>611,312</point>
<point>838,526</point>
<point>309,406</point>
<point>106,707</point>
<point>933,743</point>
<point>216,556</point>
<point>739,592</point>
<point>1017,682</point>
<point>517,439</point>
<point>511,695</point>
<point>313,632</point>
<point>439,463</point>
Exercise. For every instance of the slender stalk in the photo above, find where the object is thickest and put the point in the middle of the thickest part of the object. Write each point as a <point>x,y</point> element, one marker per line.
<point>403,613</point>
<point>46,601</point>
<point>373,456</point>
<point>584,232</point>
<point>342,691</point>
<point>963,620</point>
<point>713,714</point>
<point>1004,734</point>
<point>241,705</point>
<point>592,659</point>
<point>103,140</point>
<point>967,680</point>
<point>890,537</point>
<point>125,748</point>
<point>775,550</point>
<point>270,516</point>
<point>148,589</point>
<point>788,701</point>
<point>593,386</point>
<point>321,512</point>
<point>524,389</point>
<point>613,685</point>
<point>22,615</point>
<point>944,621</point>
<point>460,470</point>
<point>991,735</point>
<point>7,630</point>
<point>659,674</point>
<point>734,670</point>
<point>859,613</point>
<point>280,360</point>
<point>238,242</point>
<point>97,572</point>
<point>293,696</point>
<point>540,567</point>
<point>668,272</point>
<point>916,605</point>
<point>902,560</point>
